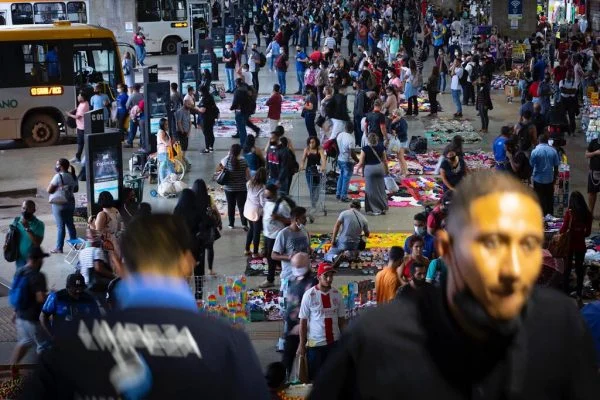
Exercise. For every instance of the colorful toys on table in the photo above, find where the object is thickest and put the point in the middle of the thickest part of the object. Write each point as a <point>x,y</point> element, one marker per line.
<point>226,298</point>
<point>264,305</point>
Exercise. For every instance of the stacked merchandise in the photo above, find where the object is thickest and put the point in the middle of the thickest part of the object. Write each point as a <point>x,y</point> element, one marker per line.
<point>500,81</point>
<point>442,130</point>
<point>399,198</point>
<point>422,102</point>
<point>426,190</point>
<point>225,297</point>
<point>590,121</point>
<point>264,304</point>
<point>561,188</point>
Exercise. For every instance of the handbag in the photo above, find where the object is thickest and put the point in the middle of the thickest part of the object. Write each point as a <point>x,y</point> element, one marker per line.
<point>59,196</point>
<point>362,243</point>
<point>222,177</point>
<point>559,243</point>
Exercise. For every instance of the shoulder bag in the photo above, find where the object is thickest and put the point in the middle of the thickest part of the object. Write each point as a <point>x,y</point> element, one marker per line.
<point>559,243</point>
<point>385,167</point>
<point>362,242</point>
<point>223,176</point>
<point>59,196</point>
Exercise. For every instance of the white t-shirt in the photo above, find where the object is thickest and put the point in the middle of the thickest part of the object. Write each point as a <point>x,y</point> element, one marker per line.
<point>346,143</point>
<point>568,85</point>
<point>455,84</point>
<point>87,257</point>
<point>322,311</point>
<point>289,242</point>
<point>271,227</point>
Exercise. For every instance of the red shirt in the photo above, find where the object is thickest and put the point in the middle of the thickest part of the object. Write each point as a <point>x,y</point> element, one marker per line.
<point>274,104</point>
<point>316,56</point>
<point>279,38</point>
<point>579,231</point>
<point>533,89</point>
<point>435,218</point>
<point>560,73</point>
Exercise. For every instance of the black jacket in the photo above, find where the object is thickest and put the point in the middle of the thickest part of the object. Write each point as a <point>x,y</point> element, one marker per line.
<point>241,100</point>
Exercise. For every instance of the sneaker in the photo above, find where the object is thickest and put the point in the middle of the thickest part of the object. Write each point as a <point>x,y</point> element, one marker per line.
<point>266,284</point>
<point>74,160</point>
<point>205,151</point>
<point>245,228</point>
<point>236,136</point>
<point>346,200</point>
<point>230,226</point>
<point>210,149</point>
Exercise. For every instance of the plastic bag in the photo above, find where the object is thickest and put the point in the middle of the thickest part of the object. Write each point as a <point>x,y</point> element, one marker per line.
<point>299,372</point>
<point>390,184</point>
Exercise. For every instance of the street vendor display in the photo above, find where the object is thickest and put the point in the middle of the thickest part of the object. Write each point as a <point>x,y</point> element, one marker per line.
<point>442,130</point>
<point>226,127</point>
<point>292,104</point>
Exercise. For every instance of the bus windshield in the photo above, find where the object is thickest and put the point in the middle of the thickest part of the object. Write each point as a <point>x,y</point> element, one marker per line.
<point>94,65</point>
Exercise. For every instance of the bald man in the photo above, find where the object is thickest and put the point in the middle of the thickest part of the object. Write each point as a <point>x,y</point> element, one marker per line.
<point>31,232</point>
<point>302,279</point>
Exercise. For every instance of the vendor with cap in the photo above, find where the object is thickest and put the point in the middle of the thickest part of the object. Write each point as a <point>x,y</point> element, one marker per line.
<point>322,317</point>
<point>489,332</point>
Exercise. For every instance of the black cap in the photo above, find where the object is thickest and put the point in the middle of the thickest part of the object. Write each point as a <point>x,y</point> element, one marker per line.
<point>75,281</point>
<point>36,253</point>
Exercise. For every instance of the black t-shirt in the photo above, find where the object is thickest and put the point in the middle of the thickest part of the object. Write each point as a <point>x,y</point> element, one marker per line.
<point>413,349</point>
<point>454,175</point>
<point>595,160</point>
<point>229,54</point>
<point>374,122</point>
<point>181,354</point>
<point>36,282</point>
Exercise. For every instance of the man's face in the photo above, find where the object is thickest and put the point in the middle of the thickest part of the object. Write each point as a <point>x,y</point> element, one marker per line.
<point>417,249</point>
<point>300,220</point>
<point>419,276</point>
<point>498,255</point>
<point>28,207</point>
<point>326,280</point>
<point>74,292</point>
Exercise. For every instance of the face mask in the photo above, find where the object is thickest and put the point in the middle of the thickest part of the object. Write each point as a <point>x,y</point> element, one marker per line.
<point>420,230</point>
<point>298,272</point>
<point>456,53</point>
<point>57,169</point>
<point>27,215</point>
<point>390,76</point>
<point>299,226</point>
<point>550,142</point>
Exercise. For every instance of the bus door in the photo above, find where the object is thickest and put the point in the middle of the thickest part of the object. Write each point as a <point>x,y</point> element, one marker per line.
<point>200,17</point>
<point>96,63</point>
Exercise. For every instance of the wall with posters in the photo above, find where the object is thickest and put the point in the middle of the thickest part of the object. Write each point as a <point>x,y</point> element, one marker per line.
<point>525,24</point>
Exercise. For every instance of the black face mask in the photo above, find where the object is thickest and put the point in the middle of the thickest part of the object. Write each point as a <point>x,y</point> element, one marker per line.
<point>27,215</point>
<point>57,169</point>
<point>475,316</point>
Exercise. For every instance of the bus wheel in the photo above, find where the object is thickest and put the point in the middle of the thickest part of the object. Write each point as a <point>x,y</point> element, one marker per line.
<point>169,45</point>
<point>40,130</point>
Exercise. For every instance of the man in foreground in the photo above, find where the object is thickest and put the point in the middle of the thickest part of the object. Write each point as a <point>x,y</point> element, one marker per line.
<point>157,345</point>
<point>488,334</point>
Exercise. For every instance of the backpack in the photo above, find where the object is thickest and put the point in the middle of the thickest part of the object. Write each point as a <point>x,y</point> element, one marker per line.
<point>292,163</point>
<point>475,73</point>
<point>252,96</point>
<point>465,75</point>
<point>418,144</point>
<point>262,60</point>
<point>280,62</point>
<point>524,137</point>
<point>526,170</point>
<point>11,242</point>
<point>19,291</point>
<point>330,147</point>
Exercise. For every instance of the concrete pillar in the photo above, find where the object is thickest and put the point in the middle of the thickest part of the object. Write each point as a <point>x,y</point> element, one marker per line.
<point>526,25</point>
<point>114,14</point>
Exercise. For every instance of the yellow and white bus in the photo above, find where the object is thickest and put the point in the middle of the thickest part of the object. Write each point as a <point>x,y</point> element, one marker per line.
<point>19,12</point>
<point>44,67</point>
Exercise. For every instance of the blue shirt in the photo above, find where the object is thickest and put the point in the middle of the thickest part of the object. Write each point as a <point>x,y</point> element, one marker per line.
<point>499,151</point>
<point>428,248</point>
<point>122,103</point>
<point>543,160</point>
<point>139,291</point>
<point>97,103</point>
<point>528,106</point>
<point>300,66</point>
<point>591,315</point>
<point>64,308</point>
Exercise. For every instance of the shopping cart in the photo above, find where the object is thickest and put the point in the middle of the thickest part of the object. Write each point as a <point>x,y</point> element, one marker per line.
<point>314,194</point>
<point>136,183</point>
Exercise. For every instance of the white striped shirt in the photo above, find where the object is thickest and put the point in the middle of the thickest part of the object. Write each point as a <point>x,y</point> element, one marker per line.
<point>330,42</point>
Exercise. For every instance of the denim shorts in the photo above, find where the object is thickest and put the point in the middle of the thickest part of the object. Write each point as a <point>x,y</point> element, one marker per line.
<point>404,145</point>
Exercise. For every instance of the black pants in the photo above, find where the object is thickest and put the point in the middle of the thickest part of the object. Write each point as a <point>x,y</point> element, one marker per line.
<point>570,104</point>
<point>183,140</point>
<point>412,102</point>
<point>269,243</point>
<point>357,130</point>
<point>121,125</point>
<point>209,134</point>
<point>250,125</point>
<point>289,352</point>
<point>433,102</point>
<point>253,235</point>
<point>545,193</point>
<point>574,259</point>
<point>485,119</point>
<point>207,250</point>
<point>466,93</point>
<point>80,144</point>
<point>316,357</point>
<point>257,38</point>
<point>233,198</point>
<point>255,80</point>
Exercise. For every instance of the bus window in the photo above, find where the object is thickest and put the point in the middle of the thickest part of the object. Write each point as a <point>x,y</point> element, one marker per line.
<point>2,17</point>
<point>148,10</point>
<point>104,63</point>
<point>41,63</point>
<point>76,12</point>
<point>174,10</point>
<point>21,13</point>
<point>46,13</point>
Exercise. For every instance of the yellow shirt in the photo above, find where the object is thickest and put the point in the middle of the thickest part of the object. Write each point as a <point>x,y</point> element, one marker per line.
<point>386,285</point>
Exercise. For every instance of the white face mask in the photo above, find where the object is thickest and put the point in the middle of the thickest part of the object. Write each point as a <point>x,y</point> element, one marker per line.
<point>300,226</point>
<point>550,142</point>
<point>299,271</point>
<point>420,230</point>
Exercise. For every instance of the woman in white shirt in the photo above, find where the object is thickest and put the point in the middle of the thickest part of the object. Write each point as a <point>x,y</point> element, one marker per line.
<point>108,221</point>
<point>253,209</point>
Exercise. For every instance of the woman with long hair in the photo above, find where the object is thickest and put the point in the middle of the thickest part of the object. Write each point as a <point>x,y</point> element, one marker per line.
<point>484,103</point>
<point>373,163</point>
<point>411,88</point>
<point>253,155</point>
<point>253,209</point>
<point>209,227</point>
<point>210,112</point>
<point>314,163</point>
<point>433,89</point>
<point>163,141</point>
<point>64,180</point>
<point>309,112</point>
<point>108,221</point>
<point>235,185</point>
<point>578,223</point>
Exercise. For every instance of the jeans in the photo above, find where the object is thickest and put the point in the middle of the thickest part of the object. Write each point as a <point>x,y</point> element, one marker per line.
<point>284,186</point>
<point>63,215</point>
<point>545,193</point>
<point>230,80</point>
<point>236,198</point>
<point>165,167</point>
<point>485,119</point>
<point>316,357</point>
<point>272,62</point>
<point>281,79</point>
<point>309,120</point>
<point>80,143</point>
<point>269,243</point>
<point>346,169</point>
<point>140,53</point>
<point>133,127</point>
<point>456,99</point>
<point>575,258</point>
<point>300,78</point>
<point>412,102</point>
<point>253,235</point>
<point>313,182</point>
<point>442,86</point>
<point>240,123</point>
<point>339,248</point>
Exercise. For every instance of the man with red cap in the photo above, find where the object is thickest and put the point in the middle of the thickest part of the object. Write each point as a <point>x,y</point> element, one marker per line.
<point>322,317</point>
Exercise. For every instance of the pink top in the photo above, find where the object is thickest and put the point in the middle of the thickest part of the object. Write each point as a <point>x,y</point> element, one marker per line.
<point>82,108</point>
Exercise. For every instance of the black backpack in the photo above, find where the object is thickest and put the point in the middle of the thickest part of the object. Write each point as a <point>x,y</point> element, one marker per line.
<point>418,144</point>
<point>475,73</point>
<point>465,75</point>
<point>11,242</point>
<point>524,137</point>
<point>263,59</point>
<point>292,163</point>
<point>525,170</point>
<point>252,96</point>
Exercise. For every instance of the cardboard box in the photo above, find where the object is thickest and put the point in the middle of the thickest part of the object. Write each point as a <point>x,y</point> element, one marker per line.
<point>512,91</point>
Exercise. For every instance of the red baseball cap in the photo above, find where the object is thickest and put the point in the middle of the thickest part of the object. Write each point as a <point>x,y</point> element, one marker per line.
<point>325,267</point>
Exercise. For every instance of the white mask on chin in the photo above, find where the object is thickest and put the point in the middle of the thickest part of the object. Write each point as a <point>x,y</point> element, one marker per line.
<point>299,271</point>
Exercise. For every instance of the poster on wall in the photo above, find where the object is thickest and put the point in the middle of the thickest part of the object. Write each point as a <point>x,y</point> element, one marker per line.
<point>106,172</point>
<point>515,9</point>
